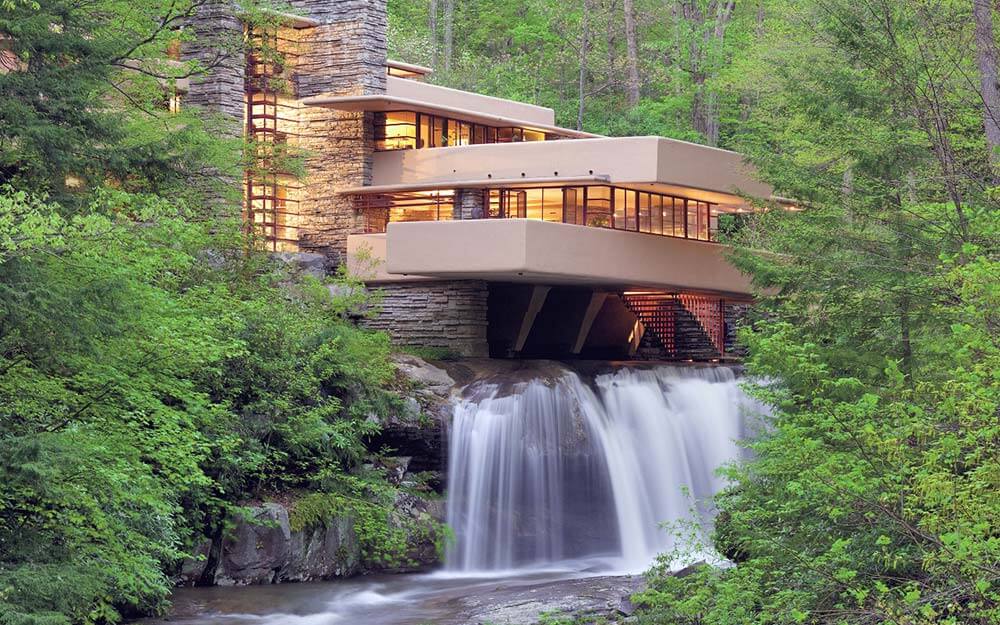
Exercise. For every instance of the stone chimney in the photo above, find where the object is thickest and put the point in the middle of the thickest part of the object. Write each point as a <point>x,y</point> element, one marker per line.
<point>343,54</point>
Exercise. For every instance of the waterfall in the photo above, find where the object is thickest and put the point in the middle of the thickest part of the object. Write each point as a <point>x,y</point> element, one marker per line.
<point>553,469</point>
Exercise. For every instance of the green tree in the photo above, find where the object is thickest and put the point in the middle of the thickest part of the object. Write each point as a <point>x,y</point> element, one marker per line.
<point>871,492</point>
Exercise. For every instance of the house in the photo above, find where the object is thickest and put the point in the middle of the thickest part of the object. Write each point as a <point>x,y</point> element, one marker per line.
<point>488,229</point>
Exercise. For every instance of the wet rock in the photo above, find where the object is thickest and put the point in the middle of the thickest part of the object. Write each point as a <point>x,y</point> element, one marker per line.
<point>524,604</point>
<point>691,569</point>
<point>422,519</point>
<point>262,549</point>
<point>395,468</point>
<point>332,550</point>
<point>307,263</point>
<point>257,549</point>
<point>424,374</point>
<point>193,568</point>
<point>626,607</point>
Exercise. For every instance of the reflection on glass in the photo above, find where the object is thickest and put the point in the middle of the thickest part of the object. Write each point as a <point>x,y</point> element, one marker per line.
<point>552,204</point>
<point>656,211</point>
<point>597,206</point>
<point>620,208</point>
<point>396,131</point>
<point>644,218</point>
<point>598,212</point>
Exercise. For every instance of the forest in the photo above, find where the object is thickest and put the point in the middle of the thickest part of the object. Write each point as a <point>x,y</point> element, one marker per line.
<point>159,370</point>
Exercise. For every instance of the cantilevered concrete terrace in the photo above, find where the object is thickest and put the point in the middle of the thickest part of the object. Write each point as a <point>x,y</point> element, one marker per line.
<point>540,252</point>
<point>646,163</point>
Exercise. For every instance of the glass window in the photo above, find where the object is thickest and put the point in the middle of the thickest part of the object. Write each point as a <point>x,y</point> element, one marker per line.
<point>479,134</point>
<point>644,217</point>
<point>534,205</point>
<point>598,207</point>
<point>573,206</point>
<point>438,136</point>
<point>680,220</point>
<point>451,127</point>
<point>533,135</point>
<point>656,211</point>
<point>620,202</point>
<point>505,135</point>
<point>713,222</point>
<point>630,210</point>
<point>520,204</point>
<point>552,204</point>
<point>491,134</point>
<point>697,222</point>
<point>425,131</point>
<point>395,130</point>
<point>493,208</point>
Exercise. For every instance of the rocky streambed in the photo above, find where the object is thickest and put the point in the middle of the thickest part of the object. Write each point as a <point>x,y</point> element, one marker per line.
<point>436,599</point>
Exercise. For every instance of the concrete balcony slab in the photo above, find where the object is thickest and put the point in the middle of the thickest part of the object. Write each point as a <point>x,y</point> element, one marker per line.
<point>539,252</point>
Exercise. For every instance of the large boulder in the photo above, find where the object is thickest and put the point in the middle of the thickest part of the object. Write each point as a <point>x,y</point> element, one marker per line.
<point>424,375</point>
<point>263,549</point>
<point>330,550</point>
<point>258,548</point>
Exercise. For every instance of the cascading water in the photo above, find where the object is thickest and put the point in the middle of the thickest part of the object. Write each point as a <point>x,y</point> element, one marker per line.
<point>553,469</point>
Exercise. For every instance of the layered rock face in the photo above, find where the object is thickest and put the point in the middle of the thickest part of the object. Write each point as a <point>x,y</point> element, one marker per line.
<point>263,547</point>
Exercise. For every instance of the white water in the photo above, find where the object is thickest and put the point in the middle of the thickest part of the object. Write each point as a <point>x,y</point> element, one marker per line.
<point>548,471</point>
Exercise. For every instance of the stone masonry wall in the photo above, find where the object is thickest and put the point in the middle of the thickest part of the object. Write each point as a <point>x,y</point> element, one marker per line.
<point>469,204</point>
<point>344,56</point>
<point>218,44</point>
<point>450,315</point>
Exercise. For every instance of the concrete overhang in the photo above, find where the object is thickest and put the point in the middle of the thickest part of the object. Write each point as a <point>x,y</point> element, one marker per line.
<point>647,163</point>
<point>539,252</point>
<point>292,20</point>
<point>403,94</point>
<point>411,68</point>
<point>481,183</point>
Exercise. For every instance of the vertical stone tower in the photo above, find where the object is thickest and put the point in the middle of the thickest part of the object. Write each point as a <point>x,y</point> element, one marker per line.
<point>344,55</point>
<point>329,47</point>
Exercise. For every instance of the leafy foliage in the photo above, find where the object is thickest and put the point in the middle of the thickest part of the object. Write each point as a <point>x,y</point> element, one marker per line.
<point>154,374</point>
<point>871,496</point>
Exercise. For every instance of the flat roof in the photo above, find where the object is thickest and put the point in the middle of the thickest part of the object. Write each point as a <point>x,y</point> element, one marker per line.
<point>387,103</point>
<point>409,67</point>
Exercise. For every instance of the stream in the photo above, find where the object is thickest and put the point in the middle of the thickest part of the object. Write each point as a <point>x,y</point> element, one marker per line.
<point>438,598</point>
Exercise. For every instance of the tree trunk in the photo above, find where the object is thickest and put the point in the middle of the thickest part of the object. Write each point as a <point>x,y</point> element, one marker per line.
<point>705,105</point>
<point>449,28</point>
<point>432,18</point>
<point>584,50</point>
<point>632,52</point>
<point>986,56</point>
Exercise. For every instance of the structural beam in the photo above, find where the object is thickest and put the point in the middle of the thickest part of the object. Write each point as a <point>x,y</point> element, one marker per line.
<point>538,296</point>
<point>593,308</point>
<point>638,330</point>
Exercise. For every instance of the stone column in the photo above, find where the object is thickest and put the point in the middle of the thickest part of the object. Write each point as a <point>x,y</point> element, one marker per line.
<point>218,45</point>
<point>219,92</point>
<point>343,56</point>
<point>468,204</point>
